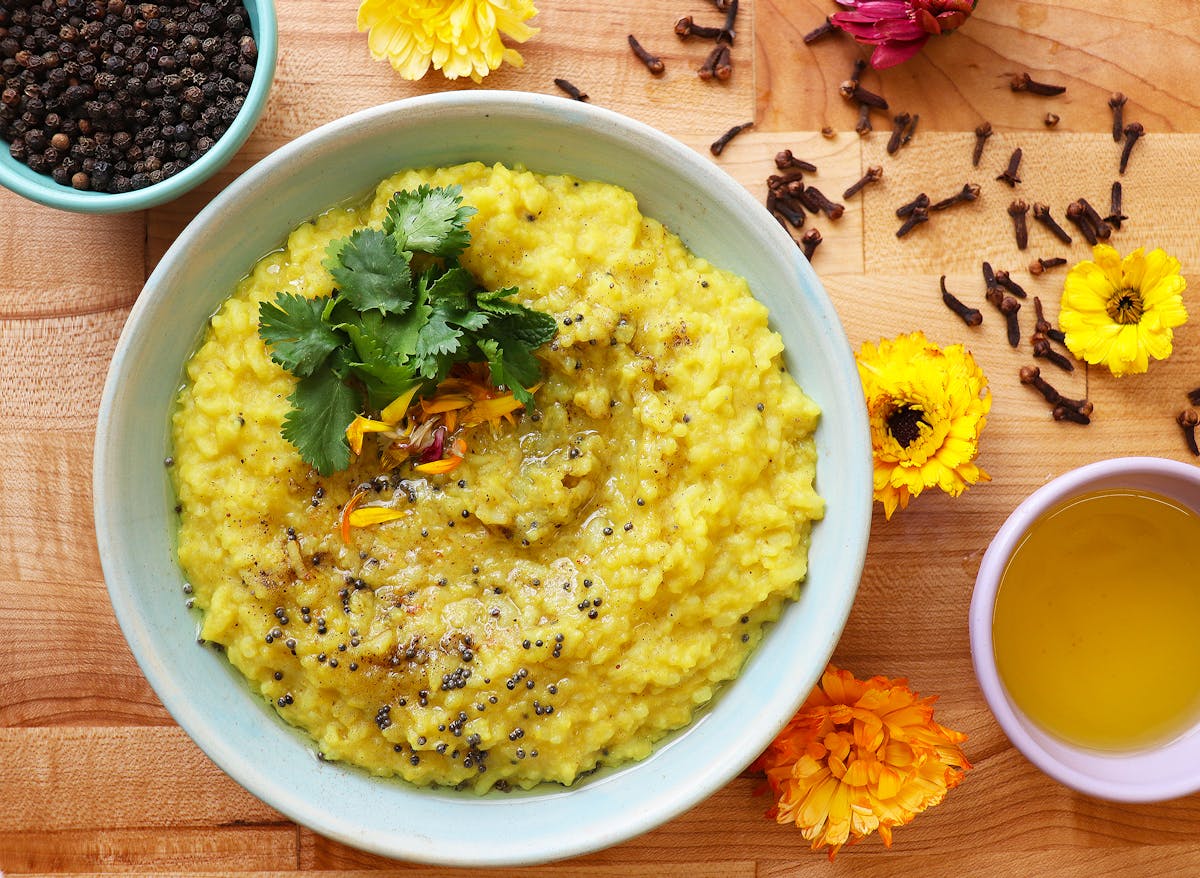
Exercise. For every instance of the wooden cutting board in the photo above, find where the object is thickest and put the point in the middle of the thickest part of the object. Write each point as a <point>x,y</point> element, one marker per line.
<point>95,776</point>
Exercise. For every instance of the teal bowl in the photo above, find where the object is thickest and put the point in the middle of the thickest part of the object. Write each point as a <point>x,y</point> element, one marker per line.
<point>44,190</point>
<point>718,220</point>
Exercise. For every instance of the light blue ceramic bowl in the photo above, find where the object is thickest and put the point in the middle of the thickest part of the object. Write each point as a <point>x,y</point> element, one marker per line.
<point>718,220</point>
<point>42,188</point>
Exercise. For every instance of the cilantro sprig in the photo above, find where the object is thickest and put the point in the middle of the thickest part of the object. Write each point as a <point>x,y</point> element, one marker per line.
<point>404,312</point>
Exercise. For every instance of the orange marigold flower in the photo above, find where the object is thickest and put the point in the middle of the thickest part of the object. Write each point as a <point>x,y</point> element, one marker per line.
<point>860,756</point>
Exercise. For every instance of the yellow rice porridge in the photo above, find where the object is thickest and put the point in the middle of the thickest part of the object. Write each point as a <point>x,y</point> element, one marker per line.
<point>588,577</point>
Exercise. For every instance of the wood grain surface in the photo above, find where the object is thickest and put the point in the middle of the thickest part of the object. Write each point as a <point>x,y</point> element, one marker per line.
<point>96,778</point>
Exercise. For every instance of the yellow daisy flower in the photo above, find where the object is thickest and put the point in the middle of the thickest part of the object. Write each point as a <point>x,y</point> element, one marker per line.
<point>1120,312</point>
<point>457,37</point>
<point>927,408</point>
<point>860,756</point>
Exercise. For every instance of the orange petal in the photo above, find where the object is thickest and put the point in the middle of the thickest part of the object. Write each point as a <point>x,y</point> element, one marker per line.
<point>366,515</point>
<point>438,467</point>
<point>396,408</point>
<point>444,403</point>
<point>346,510</point>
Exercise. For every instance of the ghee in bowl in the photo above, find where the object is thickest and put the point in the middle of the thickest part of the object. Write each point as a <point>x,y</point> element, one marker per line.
<point>1081,625</point>
<point>1096,606</point>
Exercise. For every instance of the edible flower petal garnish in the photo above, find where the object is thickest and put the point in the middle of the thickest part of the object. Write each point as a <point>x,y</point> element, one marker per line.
<point>457,37</point>
<point>860,756</point>
<point>1119,313</point>
<point>899,29</point>
<point>927,408</point>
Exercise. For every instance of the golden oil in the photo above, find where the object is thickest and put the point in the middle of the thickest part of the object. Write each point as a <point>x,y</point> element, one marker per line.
<point>1096,628</point>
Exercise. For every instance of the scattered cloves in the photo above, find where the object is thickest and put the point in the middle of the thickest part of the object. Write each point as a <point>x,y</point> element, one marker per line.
<point>873,175</point>
<point>820,31</point>
<point>968,315</point>
<point>921,201</point>
<point>1133,131</point>
<point>853,91</point>
<point>723,68</point>
<point>653,63</point>
<point>1115,217</point>
<point>1076,215</point>
<point>1031,376</point>
<point>1043,351</point>
<point>899,123</point>
<point>1041,213</point>
<point>1004,279</point>
<point>708,70</point>
<point>686,27</point>
<point>969,192</point>
<point>1042,265</point>
<point>829,208</point>
<point>783,207</point>
<point>1017,211</point>
<point>992,289</point>
<point>718,145</point>
<point>1102,229</point>
<point>1010,173</point>
<point>1043,326</point>
<point>1117,104</point>
<point>1188,419</point>
<point>572,91</point>
<point>1024,82</point>
<point>809,242</point>
<point>918,216</point>
<point>982,133</point>
<point>784,160</point>
<point>1009,307</point>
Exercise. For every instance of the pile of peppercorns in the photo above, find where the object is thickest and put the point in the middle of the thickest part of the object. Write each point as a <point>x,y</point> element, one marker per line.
<point>113,96</point>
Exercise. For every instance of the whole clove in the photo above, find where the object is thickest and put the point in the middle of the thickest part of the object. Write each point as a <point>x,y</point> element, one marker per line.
<point>1024,82</point>
<point>1043,351</point>
<point>1031,376</point>
<point>828,133</point>
<point>873,175</point>
<point>853,91</point>
<point>921,201</point>
<point>1076,215</point>
<point>1194,396</point>
<point>969,192</point>
<point>1063,413</point>
<point>784,207</point>
<point>822,30</point>
<point>1115,217</point>
<point>911,129</point>
<point>718,65</point>
<point>653,63</point>
<point>863,126</point>
<point>1188,419</point>
<point>1041,213</point>
<point>856,72</point>
<point>1017,211</point>
<point>919,215</point>
<point>1117,104</point>
<point>686,27</point>
<point>1042,325</point>
<point>1099,226</point>
<point>1133,131</point>
<point>809,242</point>
<point>784,160</point>
<point>1051,119</point>
<point>571,90</point>
<point>968,315</point>
<point>1010,173</point>
<point>829,208</point>
<point>727,31</point>
<point>899,124</point>
<point>718,145</point>
<point>982,133</point>
<point>1004,279</point>
<point>1042,265</point>
<point>1009,307</point>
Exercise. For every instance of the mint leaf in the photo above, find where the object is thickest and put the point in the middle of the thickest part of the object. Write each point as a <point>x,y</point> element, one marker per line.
<point>372,275</point>
<point>322,408</point>
<point>429,221</point>
<point>298,338</point>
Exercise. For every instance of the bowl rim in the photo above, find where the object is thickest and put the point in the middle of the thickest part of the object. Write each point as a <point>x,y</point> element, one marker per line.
<point>706,778</point>
<point>42,189</point>
<point>1116,776</point>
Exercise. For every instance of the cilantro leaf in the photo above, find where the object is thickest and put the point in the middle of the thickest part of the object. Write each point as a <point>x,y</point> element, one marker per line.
<point>510,367</point>
<point>322,408</point>
<point>429,221</point>
<point>371,274</point>
<point>292,326</point>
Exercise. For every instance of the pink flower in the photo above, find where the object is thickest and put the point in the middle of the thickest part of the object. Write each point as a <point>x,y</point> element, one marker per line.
<point>899,28</point>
